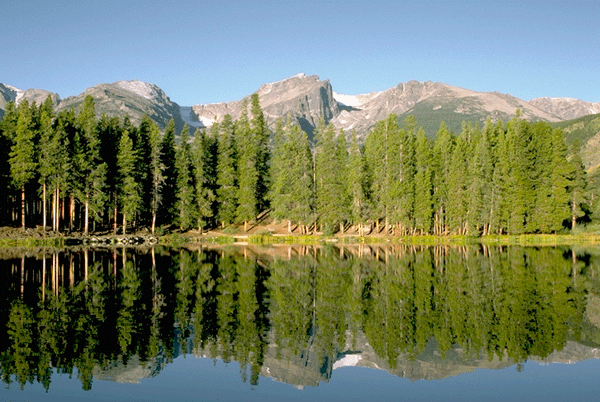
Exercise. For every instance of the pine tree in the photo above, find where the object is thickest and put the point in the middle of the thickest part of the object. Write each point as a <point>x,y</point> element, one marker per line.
<point>520,181</point>
<point>302,190</point>
<point>577,187</point>
<point>292,190</point>
<point>91,168</point>
<point>442,153</point>
<point>23,163</point>
<point>169,198</point>
<point>110,132</point>
<point>479,188</point>
<point>500,204</point>
<point>456,206</point>
<point>565,204</point>
<point>157,169</point>
<point>381,147</point>
<point>341,162</point>
<point>204,170</point>
<point>247,148</point>
<point>186,194</point>
<point>129,189</point>
<point>542,215</point>
<point>64,173</point>
<point>356,184</point>
<point>227,177</point>
<point>423,207</point>
<point>260,134</point>
<point>406,175</point>
<point>4,177</point>
<point>45,148</point>
<point>144,168</point>
<point>329,186</point>
<point>8,127</point>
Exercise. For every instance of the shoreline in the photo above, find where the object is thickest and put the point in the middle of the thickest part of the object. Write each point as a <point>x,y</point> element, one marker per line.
<point>48,239</point>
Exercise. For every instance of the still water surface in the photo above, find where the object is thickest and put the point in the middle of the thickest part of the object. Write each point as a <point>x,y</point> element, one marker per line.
<point>349,323</point>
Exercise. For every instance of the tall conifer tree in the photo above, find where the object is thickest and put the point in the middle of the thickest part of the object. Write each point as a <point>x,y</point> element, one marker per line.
<point>187,208</point>
<point>167,208</point>
<point>227,175</point>
<point>423,207</point>
<point>129,189</point>
<point>23,163</point>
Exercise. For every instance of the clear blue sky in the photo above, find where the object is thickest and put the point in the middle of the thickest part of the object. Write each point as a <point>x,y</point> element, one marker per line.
<point>218,51</point>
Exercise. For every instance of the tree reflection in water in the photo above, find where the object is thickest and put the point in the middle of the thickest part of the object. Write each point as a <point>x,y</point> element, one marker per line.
<point>289,312</point>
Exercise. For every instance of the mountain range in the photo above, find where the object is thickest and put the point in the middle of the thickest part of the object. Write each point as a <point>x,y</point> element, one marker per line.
<point>307,99</point>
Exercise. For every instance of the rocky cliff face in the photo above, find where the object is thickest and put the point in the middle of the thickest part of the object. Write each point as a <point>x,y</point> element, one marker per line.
<point>131,98</point>
<point>566,108</point>
<point>302,98</point>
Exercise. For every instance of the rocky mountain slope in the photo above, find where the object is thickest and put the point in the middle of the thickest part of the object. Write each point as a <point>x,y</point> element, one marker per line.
<point>9,93</point>
<point>302,98</point>
<point>307,99</point>
<point>432,103</point>
<point>566,108</point>
<point>131,98</point>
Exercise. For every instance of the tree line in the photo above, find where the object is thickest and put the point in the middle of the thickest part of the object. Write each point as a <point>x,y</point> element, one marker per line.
<point>74,171</point>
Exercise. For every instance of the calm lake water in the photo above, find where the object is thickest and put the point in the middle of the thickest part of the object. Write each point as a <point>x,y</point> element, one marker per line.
<point>349,323</point>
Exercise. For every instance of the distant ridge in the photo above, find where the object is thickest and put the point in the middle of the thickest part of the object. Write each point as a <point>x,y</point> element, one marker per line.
<point>307,99</point>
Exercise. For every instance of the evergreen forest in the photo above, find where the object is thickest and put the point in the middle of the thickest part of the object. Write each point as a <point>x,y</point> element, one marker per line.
<point>79,172</point>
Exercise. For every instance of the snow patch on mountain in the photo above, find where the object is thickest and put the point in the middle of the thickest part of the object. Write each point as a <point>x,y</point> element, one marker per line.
<point>347,361</point>
<point>186,116</point>
<point>143,89</point>
<point>18,93</point>
<point>347,100</point>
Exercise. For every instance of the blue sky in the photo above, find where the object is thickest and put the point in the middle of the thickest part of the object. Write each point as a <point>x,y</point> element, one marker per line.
<point>219,51</point>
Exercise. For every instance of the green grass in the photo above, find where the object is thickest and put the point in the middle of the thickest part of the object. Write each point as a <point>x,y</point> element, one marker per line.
<point>33,242</point>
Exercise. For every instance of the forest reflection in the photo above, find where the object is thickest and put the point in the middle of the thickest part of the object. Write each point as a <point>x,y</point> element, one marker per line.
<point>291,312</point>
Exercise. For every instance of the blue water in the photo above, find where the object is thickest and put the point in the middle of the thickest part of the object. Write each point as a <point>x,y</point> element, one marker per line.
<point>199,379</point>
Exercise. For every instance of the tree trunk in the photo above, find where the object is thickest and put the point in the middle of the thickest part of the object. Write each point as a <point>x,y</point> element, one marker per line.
<point>71,212</point>
<point>124,224</point>
<point>23,207</point>
<point>574,217</point>
<point>86,223</point>
<point>44,206</point>
<point>115,223</point>
<point>154,223</point>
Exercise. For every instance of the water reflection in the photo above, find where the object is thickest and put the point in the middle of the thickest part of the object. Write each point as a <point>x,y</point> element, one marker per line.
<point>294,313</point>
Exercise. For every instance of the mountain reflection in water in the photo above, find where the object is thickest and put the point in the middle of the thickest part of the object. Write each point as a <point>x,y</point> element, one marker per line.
<point>294,313</point>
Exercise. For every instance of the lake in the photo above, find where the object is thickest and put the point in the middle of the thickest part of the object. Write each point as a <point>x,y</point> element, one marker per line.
<point>323,322</point>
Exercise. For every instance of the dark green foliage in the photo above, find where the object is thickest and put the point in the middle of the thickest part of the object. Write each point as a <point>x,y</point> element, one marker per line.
<point>423,206</point>
<point>247,154</point>
<point>260,134</point>
<point>167,208</point>
<point>293,186</point>
<point>330,176</point>
<point>356,183</point>
<point>128,189</point>
<point>23,155</point>
<point>227,177</point>
<point>187,209</point>
<point>204,158</point>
